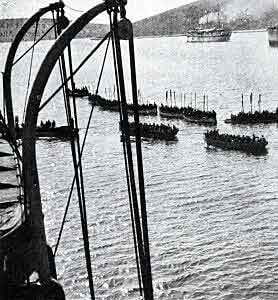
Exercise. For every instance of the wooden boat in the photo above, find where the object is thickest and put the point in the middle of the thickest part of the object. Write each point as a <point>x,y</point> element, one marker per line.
<point>171,112</point>
<point>113,105</point>
<point>253,145</point>
<point>82,92</point>
<point>61,132</point>
<point>201,121</point>
<point>189,114</point>
<point>264,117</point>
<point>155,131</point>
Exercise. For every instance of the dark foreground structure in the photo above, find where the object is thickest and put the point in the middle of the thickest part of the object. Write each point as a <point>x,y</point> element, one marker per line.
<point>24,250</point>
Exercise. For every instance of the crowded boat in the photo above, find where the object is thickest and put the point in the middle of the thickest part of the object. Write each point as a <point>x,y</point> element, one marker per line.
<point>254,118</point>
<point>171,112</point>
<point>253,145</point>
<point>113,105</point>
<point>82,92</point>
<point>48,129</point>
<point>155,131</point>
<point>189,114</point>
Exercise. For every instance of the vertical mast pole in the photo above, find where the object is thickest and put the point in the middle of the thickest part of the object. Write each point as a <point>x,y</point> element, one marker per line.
<point>149,286</point>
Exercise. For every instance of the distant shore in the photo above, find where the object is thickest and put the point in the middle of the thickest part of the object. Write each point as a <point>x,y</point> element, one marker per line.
<point>184,34</point>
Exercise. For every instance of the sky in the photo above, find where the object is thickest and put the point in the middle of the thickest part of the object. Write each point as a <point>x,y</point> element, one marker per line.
<point>136,9</point>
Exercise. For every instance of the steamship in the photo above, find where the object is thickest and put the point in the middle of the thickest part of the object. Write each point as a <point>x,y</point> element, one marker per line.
<point>209,35</point>
<point>217,33</point>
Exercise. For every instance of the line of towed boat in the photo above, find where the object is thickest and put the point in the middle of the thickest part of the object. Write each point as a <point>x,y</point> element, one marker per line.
<point>113,105</point>
<point>252,145</point>
<point>189,114</point>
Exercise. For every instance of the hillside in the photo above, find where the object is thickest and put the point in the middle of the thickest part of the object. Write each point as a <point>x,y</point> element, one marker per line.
<point>9,28</point>
<point>237,14</point>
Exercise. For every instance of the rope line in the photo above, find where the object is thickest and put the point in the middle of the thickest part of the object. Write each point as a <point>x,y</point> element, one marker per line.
<point>126,165</point>
<point>76,155</point>
<point>60,71</point>
<point>37,41</point>
<point>74,9</point>
<point>30,70</point>
<point>77,162</point>
<point>126,140</point>
<point>82,148</point>
<point>75,71</point>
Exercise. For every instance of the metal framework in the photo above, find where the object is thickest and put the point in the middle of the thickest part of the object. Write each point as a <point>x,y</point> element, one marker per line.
<point>34,254</point>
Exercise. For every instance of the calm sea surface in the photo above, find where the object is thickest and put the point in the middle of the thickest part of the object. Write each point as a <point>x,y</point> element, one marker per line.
<point>213,215</point>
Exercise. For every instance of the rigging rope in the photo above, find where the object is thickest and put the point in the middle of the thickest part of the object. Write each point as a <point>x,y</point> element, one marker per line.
<point>37,41</point>
<point>60,69</point>
<point>73,9</point>
<point>140,218</point>
<point>82,148</point>
<point>30,69</point>
<point>125,162</point>
<point>76,70</point>
<point>126,140</point>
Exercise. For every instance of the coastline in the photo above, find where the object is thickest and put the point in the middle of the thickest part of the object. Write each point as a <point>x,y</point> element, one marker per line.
<point>184,34</point>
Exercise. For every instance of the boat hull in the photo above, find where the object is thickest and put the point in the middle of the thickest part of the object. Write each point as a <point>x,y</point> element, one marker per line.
<point>207,39</point>
<point>170,115</point>
<point>62,132</point>
<point>208,35</point>
<point>273,36</point>
<point>253,148</point>
<point>149,132</point>
<point>201,121</point>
